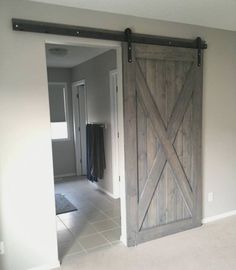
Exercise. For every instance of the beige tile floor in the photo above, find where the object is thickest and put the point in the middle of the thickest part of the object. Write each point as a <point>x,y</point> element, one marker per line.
<point>94,226</point>
<point>210,247</point>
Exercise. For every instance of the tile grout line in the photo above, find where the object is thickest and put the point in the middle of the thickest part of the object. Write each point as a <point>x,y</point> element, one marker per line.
<point>104,200</point>
<point>81,246</point>
<point>109,242</point>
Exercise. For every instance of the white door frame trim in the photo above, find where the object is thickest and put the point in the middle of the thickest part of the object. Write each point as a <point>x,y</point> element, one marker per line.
<point>113,74</point>
<point>75,121</point>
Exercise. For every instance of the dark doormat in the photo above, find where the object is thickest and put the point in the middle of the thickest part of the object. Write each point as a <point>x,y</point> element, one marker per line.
<point>63,205</point>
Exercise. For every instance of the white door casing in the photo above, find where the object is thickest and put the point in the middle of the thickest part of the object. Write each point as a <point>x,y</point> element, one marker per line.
<point>80,121</point>
<point>115,132</point>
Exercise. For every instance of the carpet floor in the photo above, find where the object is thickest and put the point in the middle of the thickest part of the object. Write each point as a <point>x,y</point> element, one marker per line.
<point>210,247</point>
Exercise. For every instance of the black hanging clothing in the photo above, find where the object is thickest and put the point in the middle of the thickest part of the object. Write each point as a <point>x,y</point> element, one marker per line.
<point>96,162</point>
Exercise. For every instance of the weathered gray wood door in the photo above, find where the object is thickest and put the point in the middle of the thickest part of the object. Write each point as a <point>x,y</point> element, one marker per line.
<point>163,119</point>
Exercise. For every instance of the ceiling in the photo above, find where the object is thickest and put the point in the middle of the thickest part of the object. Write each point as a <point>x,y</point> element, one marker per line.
<point>75,55</point>
<point>211,13</point>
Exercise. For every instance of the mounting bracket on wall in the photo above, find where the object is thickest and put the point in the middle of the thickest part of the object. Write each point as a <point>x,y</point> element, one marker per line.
<point>95,33</point>
<point>199,51</point>
<point>128,35</point>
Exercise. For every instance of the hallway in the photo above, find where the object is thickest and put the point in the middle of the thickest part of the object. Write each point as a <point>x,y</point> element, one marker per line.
<point>95,225</point>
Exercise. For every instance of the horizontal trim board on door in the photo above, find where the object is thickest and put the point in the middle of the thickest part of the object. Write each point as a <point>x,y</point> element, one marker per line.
<point>167,229</point>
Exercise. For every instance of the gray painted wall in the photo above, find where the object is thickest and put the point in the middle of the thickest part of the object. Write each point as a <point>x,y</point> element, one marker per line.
<point>96,74</point>
<point>63,151</point>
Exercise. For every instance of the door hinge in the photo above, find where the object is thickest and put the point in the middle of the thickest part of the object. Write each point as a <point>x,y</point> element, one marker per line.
<point>119,178</point>
<point>118,135</point>
<point>116,88</point>
<point>79,129</point>
<point>77,96</point>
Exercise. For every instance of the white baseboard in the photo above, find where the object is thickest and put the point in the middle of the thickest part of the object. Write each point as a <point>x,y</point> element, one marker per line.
<point>104,190</point>
<point>107,192</point>
<point>47,267</point>
<point>64,175</point>
<point>217,217</point>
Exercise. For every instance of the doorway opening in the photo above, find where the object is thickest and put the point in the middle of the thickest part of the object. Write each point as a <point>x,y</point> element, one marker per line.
<point>85,100</point>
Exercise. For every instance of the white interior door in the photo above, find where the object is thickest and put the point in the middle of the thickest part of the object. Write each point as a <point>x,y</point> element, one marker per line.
<point>80,121</point>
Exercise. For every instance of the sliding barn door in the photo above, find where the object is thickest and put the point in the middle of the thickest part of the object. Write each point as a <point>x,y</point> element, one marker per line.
<point>163,119</point>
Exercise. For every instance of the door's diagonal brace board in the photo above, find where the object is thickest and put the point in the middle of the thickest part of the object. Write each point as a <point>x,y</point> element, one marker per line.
<point>151,184</point>
<point>181,104</point>
<point>166,139</point>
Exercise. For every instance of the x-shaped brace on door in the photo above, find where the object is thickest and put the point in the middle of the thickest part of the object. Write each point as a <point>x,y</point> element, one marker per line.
<point>166,136</point>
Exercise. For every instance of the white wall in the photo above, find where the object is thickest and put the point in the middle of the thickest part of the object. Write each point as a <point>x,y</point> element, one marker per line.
<point>27,202</point>
<point>95,72</point>
<point>64,151</point>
